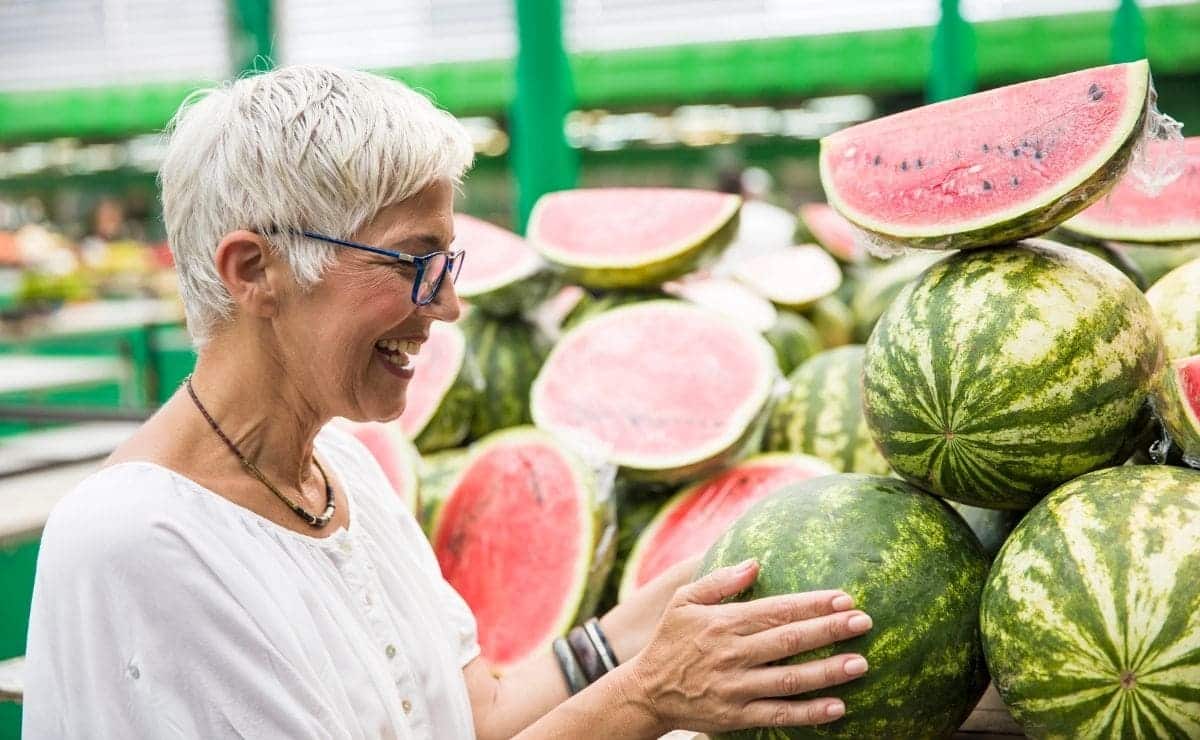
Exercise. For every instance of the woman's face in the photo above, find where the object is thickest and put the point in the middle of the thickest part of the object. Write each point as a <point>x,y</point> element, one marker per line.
<point>352,335</point>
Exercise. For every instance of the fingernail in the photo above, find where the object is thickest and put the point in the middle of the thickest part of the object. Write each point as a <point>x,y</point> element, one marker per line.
<point>746,565</point>
<point>855,667</point>
<point>842,603</point>
<point>859,623</point>
<point>835,709</point>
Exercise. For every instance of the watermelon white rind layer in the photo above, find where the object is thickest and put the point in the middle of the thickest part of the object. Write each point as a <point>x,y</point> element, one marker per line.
<point>493,580</point>
<point>1175,299</point>
<point>1128,214</point>
<point>1002,373</point>
<point>958,191</point>
<point>1177,400</point>
<point>664,389</point>
<point>1089,616</point>
<point>667,250</point>
<point>712,505</point>
<point>441,396</point>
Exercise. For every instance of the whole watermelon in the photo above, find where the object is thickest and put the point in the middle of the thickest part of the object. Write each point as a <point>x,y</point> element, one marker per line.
<point>508,353</point>
<point>907,561</point>
<point>1091,614</point>
<point>1003,373</point>
<point>822,414</point>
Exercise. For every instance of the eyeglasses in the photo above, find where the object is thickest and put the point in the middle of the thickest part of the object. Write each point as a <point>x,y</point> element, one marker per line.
<point>431,268</point>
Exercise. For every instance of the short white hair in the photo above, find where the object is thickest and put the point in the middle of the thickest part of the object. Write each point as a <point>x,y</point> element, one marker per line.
<point>301,147</point>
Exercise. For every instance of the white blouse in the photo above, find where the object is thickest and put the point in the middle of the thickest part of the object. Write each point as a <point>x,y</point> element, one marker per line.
<point>162,610</point>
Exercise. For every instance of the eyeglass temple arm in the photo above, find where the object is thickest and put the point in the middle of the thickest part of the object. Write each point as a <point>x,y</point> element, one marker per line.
<point>354,245</point>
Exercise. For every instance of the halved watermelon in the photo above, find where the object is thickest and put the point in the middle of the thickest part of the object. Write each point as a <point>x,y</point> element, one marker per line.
<point>395,454</point>
<point>989,168</point>
<point>502,274</point>
<point>437,472</point>
<point>516,537</point>
<point>443,391</point>
<point>795,277</point>
<point>831,230</point>
<point>1128,214</point>
<point>670,391</point>
<point>696,516</point>
<point>1177,400</point>
<point>631,237</point>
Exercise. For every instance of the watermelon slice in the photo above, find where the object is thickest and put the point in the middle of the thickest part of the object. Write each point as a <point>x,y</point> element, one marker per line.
<point>443,391</point>
<point>695,517</point>
<point>516,537</point>
<point>395,454</point>
<point>795,277</point>
<point>1178,403</point>
<point>668,390</point>
<point>1129,215</point>
<point>989,168</point>
<point>831,230</point>
<point>502,274</point>
<point>631,237</point>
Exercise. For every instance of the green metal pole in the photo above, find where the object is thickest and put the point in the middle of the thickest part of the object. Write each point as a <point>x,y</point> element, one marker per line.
<point>953,70</point>
<point>542,161</point>
<point>252,24</point>
<point>1128,33</point>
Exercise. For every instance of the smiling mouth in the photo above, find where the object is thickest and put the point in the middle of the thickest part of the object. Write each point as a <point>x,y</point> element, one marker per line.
<point>398,352</point>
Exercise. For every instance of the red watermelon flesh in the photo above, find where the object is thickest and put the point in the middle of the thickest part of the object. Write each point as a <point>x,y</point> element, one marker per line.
<point>1189,382</point>
<point>494,256</point>
<point>393,451</point>
<point>435,370</point>
<point>833,232</point>
<point>515,539</point>
<point>991,167</point>
<point>1131,215</point>
<point>697,516</point>
<point>661,385</point>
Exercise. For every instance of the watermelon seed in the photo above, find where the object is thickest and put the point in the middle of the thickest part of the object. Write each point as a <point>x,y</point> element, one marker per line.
<point>987,185</point>
<point>904,165</point>
<point>1016,153</point>
<point>877,160</point>
<point>985,147</point>
<point>1039,154</point>
<point>1015,181</point>
<point>1128,680</point>
<point>1094,92</point>
<point>920,164</point>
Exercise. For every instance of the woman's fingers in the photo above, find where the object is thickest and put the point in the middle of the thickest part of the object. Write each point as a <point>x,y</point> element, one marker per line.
<point>720,584</point>
<point>782,713</point>
<point>774,611</point>
<point>790,680</point>
<point>778,643</point>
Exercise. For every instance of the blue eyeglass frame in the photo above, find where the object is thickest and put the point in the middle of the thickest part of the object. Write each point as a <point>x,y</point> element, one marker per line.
<point>454,262</point>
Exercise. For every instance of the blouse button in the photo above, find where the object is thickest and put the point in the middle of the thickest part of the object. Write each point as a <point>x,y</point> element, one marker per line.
<point>407,706</point>
<point>391,651</point>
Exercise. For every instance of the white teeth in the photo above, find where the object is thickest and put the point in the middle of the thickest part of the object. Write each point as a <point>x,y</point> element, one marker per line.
<point>412,347</point>
<point>397,360</point>
<point>399,345</point>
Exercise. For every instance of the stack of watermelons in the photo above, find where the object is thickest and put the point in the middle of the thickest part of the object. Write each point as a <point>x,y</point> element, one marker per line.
<point>942,433</point>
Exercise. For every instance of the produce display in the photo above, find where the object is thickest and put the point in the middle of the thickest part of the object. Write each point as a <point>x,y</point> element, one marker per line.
<point>443,392</point>
<point>1089,615</point>
<point>906,560</point>
<point>1175,299</point>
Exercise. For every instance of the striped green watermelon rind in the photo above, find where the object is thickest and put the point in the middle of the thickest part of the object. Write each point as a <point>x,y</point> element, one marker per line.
<point>1072,192</point>
<point>492,580</point>
<point>656,265</point>
<point>822,414</point>
<point>446,420</point>
<point>1155,262</point>
<point>907,561</point>
<point>597,384</point>
<point>1003,373</point>
<point>1177,400</point>
<point>509,353</point>
<point>1176,302</point>
<point>833,320</point>
<point>794,340</point>
<point>1117,259</point>
<point>437,472</point>
<point>881,285</point>
<point>1091,613</point>
<point>689,523</point>
<point>1130,214</point>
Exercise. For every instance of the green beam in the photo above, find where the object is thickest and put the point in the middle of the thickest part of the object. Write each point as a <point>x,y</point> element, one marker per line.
<point>761,70</point>
<point>542,160</point>
<point>952,72</point>
<point>253,29</point>
<point>1128,33</point>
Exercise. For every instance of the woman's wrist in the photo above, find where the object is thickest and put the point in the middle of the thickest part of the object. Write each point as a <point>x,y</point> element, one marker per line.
<point>632,693</point>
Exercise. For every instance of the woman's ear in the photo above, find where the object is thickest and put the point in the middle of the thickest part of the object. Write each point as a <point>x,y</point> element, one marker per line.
<point>248,269</point>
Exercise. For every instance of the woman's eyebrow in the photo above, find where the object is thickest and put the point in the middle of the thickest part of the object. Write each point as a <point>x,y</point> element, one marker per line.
<point>428,242</point>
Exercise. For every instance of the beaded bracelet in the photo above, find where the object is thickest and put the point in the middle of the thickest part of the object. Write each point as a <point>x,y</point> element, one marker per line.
<point>572,672</point>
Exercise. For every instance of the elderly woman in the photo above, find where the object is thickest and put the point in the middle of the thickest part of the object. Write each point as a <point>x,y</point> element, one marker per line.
<point>240,568</point>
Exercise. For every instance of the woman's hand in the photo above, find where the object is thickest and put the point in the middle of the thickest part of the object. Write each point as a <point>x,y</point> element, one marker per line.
<point>631,623</point>
<point>707,668</point>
